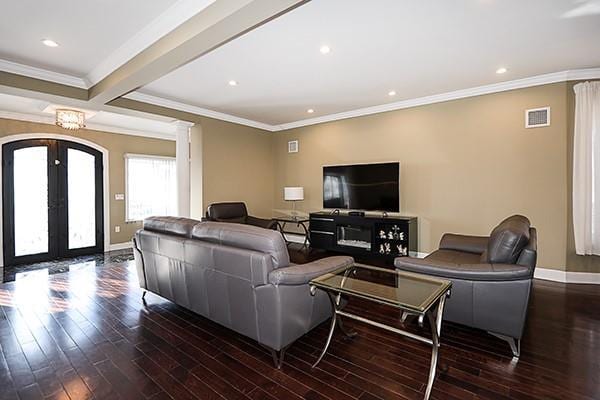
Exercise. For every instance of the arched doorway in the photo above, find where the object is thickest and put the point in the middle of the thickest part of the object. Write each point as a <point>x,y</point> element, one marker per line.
<point>52,200</point>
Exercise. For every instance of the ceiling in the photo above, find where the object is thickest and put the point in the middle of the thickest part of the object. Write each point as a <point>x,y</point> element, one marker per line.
<point>88,32</point>
<point>416,48</point>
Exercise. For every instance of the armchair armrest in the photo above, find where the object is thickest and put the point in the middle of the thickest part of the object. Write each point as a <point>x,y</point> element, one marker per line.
<point>469,244</point>
<point>470,272</point>
<point>261,222</point>
<point>301,274</point>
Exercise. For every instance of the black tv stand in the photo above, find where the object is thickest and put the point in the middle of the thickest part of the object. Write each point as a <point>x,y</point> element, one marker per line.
<point>381,236</point>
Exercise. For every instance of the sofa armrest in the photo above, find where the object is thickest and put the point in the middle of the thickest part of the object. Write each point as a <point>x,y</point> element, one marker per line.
<point>469,244</point>
<point>470,272</point>
<point>261,222</point>
<point>301,274</point>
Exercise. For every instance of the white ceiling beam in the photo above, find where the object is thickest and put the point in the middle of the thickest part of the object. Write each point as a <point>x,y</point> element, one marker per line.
<point>166,22</point>
<point>217,24</point>
<point>69,101</point>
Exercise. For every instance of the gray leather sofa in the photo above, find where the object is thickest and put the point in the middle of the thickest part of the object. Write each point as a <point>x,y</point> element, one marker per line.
<point>491,277</point>
<point>239,276</point>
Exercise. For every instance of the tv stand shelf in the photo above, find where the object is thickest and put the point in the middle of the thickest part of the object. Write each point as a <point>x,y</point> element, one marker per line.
<point>366,236</point>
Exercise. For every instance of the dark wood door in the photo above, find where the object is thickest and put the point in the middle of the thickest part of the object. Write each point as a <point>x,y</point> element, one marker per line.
<point>52,200</point>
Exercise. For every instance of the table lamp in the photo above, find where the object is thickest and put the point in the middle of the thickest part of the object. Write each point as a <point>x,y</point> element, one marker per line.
<point>293,194</point>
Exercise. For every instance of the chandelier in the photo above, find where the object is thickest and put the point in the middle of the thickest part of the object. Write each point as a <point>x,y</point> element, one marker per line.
<point>70,119</point>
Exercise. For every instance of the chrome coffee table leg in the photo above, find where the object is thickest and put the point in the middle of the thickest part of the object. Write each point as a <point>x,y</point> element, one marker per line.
<point>334,317</point>
<point>434,353</point>
<point>434,318</point>
<point>439,315</point>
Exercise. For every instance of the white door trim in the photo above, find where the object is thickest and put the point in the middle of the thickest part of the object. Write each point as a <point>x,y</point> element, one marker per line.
<point>105,183</point>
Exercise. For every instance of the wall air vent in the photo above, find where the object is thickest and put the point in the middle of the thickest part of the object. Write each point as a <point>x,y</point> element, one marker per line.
<point>537,117</point>
<point>293,146</point>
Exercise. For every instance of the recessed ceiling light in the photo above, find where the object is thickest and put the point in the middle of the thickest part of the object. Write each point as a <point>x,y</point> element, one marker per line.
<point>501,70</point>
<point>50,43</point>
<point>310,111</point>
<point>392,93</point>
<point>325,49</point>
<point>232,83</point>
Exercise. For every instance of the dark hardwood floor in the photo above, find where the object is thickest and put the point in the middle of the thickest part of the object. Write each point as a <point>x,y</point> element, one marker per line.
<point>87,334</point>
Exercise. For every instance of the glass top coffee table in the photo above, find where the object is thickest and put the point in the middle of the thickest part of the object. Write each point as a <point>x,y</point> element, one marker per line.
<point>299,220</point>
<point>412,294</point>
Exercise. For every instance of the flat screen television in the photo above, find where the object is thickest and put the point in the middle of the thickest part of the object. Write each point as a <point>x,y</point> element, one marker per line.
<point>368,187</point>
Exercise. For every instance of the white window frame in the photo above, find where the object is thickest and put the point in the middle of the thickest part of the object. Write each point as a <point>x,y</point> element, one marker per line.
<point>137,155</point>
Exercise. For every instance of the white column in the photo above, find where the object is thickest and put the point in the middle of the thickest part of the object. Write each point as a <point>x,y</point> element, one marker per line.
<point>197,208</point>
<point>182,153</point>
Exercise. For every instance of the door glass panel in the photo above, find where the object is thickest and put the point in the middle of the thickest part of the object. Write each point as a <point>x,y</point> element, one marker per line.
<point>81,183</point>
<point>31,200</point>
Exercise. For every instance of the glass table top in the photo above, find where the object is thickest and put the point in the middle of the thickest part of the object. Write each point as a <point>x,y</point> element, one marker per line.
<point>290,216</point>
<point>405,290</point>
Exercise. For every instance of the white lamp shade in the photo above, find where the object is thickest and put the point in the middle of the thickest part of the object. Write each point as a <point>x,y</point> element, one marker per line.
<point>293,193</point>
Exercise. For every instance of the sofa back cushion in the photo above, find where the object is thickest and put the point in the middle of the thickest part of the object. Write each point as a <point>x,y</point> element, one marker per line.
<point>507,240</point>
<point>177,226</point>
<point>228,211</point>
<point>247,237</point>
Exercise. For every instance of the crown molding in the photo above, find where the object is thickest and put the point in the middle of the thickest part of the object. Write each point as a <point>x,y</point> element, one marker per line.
<point>182,124</point>
<point>591,73</point>
<point>42,119</point>
<point>166,22</point>
<point>588,73</point>
<point>562,76</point>
<point>176,105</point>
<point>43,74</point>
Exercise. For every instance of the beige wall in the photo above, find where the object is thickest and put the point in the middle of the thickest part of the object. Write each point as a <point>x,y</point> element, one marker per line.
<point>465,164</point>
<point>117,145</point>
<point>229,162</point>
<point>237,163</point>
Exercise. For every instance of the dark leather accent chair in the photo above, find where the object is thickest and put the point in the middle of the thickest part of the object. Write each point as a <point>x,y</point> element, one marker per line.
<point>237,213</point>
<point>491,277</point>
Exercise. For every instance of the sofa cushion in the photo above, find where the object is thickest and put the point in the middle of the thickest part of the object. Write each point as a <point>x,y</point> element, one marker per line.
<point>178,226</point>
<point>508,239</point>
<point>245,237</point>
<point>454,257</point>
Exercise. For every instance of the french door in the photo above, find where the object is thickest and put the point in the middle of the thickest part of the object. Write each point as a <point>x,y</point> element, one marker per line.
<point>52,200</point>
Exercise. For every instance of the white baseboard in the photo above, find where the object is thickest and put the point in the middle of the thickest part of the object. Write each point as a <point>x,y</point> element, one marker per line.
<point>119,246</point>
<point>566,276</point>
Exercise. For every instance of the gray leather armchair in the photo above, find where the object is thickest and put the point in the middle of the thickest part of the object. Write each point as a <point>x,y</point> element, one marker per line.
<point>237,213</point>
<point>239,276</point>
<point>491,277</point>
